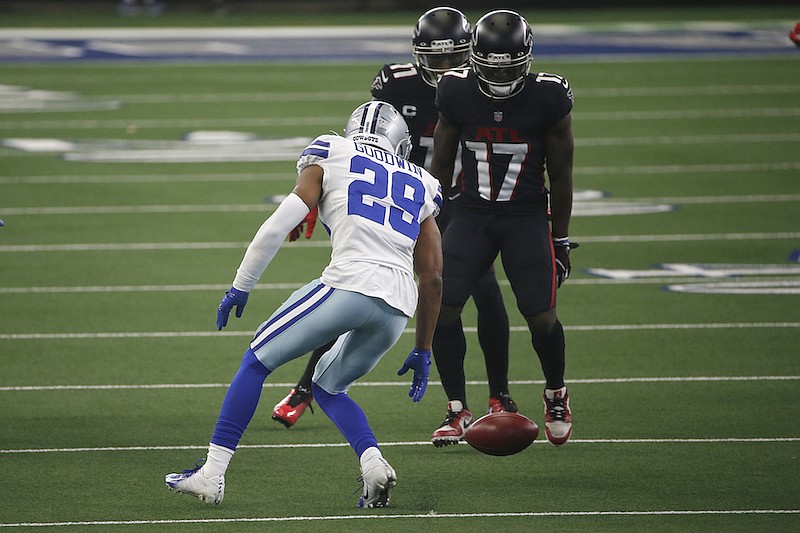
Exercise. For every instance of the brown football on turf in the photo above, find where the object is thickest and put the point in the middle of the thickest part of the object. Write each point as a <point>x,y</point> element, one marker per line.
<point>502,433</point>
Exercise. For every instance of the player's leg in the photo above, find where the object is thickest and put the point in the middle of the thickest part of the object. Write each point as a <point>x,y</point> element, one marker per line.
<point>529,262</point>
<point>289,410</point>
<point>354,355</point>
<point>307,319</point>
<point>548,340</point>
<point>493,332</point>
<point>463,266</point>
<point>207,480</point>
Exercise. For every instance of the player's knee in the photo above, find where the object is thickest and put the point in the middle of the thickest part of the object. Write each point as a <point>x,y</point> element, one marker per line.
<point>448,315</point>
<point>542,323</point>
<point>253,363</point>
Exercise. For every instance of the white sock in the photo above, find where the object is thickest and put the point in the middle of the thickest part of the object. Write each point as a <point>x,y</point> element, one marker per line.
<point>217,460</point>
<point>369,454</point>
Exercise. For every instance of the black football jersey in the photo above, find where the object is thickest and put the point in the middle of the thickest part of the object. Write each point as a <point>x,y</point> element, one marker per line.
<point>503,140</point>
<point>401,85</point>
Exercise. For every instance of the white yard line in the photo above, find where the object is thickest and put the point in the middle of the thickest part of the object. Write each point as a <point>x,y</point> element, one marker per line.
<point>120,179</point>
<point>182,334</point>
<point>251,122</point>
<point>653,280</point>
<point>274,385</point>
<point>268,208</point>
<point>728,168</point>
<point>431,516</point>
<point>757,440</point>
<point>333,96</point>
<point>104,247</point>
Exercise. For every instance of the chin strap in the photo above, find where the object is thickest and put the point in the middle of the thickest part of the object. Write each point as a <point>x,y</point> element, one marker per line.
<point>500,91</point>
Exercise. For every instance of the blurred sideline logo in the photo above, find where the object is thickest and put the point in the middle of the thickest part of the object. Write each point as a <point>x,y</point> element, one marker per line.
<point>17,99</point>
<point>788,284</point>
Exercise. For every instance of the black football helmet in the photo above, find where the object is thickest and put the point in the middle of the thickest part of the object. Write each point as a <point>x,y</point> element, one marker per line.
<point>441,42</point>
<point>501,53</point>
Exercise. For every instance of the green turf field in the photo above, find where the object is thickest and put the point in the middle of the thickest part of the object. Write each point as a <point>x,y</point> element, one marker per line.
<point>686,403</point>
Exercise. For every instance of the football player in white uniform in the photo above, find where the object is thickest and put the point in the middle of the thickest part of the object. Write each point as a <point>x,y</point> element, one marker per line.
<point>380,211</point>
<point>440,42</point>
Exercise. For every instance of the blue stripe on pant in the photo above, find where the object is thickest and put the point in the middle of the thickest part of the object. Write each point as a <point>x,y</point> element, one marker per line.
<point>366,328</point>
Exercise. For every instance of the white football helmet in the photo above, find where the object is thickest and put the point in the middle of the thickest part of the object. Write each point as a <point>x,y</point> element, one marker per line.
<point>379,124</point>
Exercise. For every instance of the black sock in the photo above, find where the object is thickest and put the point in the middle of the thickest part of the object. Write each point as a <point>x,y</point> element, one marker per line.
<point>492,332</point>
<point>550,347</point>
<point>305,380</point>
<point>449,349</point>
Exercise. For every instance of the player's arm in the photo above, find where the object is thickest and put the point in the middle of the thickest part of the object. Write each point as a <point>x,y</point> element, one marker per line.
<point>273,231</point>
<point>559,145</point>
<point>428,266</point>
<point>445,146</point>
<point>268,240</point>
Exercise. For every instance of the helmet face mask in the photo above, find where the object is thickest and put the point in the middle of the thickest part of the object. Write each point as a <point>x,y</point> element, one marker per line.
<point>380,125</point>
<point>441,42</point>
<point>501,53</point>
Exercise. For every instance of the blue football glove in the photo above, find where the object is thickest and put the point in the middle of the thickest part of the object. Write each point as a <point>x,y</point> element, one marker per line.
<point>420,362</point>
<point>233,297</point>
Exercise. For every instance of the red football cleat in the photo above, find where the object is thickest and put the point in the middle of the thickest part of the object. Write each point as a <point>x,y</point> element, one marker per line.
<point>454,426</point>
<point>502,403</point>
<point>557,416</point>
<point>289,410</point>
<point>794,35</point>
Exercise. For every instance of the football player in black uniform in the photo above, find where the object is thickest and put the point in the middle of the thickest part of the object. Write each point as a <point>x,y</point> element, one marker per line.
<point>511,125</point>
<point>440,42</point>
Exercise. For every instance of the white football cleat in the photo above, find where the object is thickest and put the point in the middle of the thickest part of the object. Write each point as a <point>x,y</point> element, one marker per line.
<point>209,489</point>
<point>378,478</point>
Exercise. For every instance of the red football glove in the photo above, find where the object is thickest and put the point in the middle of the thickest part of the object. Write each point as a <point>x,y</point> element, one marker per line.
<point>310,221</point>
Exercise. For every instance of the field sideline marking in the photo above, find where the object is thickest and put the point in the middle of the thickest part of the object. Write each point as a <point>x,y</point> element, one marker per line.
<point>288,176</point>
<point>272,385</point>
<point>427,516</point>
<point>249,333</point>
<point>264,208</point>
<point>105,247</point>
<point>732,440</point>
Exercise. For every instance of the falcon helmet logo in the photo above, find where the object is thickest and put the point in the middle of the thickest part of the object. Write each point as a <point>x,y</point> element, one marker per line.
<point>444,46</point>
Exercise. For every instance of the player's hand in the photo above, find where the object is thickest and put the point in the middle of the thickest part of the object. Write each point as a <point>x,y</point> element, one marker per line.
<point>233,297</point>
<point>562,248</point>
<point>420,362</point>
<point>310,221</point>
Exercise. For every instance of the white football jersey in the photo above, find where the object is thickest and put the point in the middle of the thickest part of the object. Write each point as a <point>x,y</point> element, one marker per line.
<point>372,204</point>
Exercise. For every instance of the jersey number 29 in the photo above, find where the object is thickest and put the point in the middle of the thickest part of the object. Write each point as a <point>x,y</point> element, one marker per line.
<point>405,193</point>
